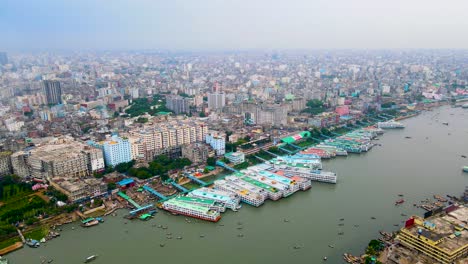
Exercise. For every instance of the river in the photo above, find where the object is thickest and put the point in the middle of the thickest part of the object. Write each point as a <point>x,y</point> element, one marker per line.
<point>429,163</point>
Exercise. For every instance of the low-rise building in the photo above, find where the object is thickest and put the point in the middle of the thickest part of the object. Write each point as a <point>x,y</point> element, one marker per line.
<point>78,190</point>
<point>235,157</point>
<point>195,152</point>
<point>443,237</point>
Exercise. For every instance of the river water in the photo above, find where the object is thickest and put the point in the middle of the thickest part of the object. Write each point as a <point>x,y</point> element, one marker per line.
<point>429,163</point>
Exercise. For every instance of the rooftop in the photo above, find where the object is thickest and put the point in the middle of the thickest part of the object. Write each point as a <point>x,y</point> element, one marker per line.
<point>451,228</point>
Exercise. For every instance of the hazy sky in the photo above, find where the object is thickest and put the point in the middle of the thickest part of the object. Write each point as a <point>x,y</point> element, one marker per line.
<point>236,24</point>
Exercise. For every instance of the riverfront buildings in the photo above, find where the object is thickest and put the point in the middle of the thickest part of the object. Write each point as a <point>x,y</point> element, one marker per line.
<point>157,137</point>
<point>116,150</point>
<point>444,237</point>
<point>62,157</point>
<point>217,142</point>
<point>195,152</point>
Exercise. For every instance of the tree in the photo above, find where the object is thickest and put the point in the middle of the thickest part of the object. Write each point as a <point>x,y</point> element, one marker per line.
<point>111,186</point>
<point>211,161</point>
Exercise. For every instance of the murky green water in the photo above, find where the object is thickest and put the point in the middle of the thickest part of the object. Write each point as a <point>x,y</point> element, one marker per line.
<point>368,186</point>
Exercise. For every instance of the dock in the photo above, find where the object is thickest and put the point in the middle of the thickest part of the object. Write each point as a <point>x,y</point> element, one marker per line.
<point>129,200</point>
<point>11,248</point>
<point>154,192</point>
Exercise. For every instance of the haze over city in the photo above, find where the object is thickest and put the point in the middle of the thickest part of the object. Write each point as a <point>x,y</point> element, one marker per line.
<point>236,131</point>
<point>232,25</point>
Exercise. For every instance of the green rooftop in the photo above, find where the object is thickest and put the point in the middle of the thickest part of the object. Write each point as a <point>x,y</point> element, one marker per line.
<point>189,206</point>
<point>195,200</point>
<point>260,184</point>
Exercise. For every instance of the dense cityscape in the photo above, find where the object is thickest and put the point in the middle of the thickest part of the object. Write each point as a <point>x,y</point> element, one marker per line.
<point>89,133</point>
<point>247,131</point>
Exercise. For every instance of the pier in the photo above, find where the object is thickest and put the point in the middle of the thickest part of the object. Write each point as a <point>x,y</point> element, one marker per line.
<point>195,179</point>
<point>154,192</point>
<point>128,199</point>
<point>141,209</point>
<point>179,187</point>
<point>225,166</point>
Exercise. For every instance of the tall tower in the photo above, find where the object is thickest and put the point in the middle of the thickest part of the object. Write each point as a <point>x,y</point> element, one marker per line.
<point>3,58</point>
<point>52,91</point>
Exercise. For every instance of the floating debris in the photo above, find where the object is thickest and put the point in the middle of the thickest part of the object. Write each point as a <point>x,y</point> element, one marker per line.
<point>331,246</point>
<point>373,218</point>
<point>297,247</point>
<point>240,235</point>
<point>179,237</point>
<point>340,224</point>
<point>342,219</point>
<point>202,236</point>
<point>340,233</point>
<point>162,245</point>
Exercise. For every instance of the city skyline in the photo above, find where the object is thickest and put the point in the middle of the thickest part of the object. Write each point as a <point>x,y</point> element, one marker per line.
<point>240,25</point>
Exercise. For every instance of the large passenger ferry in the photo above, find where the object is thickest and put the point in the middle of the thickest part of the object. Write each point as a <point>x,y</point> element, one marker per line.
<point>390,124</point>
<point>246,196</point>
<point>228,199</point>
<point>193,210</point>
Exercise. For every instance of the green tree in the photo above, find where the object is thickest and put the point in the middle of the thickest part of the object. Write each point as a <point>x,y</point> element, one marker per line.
<point>211,161</point>
<point>111,186</point>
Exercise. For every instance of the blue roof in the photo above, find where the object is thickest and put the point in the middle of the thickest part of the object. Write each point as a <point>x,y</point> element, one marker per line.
<point>125,182</point>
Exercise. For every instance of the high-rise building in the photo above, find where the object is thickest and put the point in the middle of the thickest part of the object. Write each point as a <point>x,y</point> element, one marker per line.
<point>53,91</point>
<point>168,135</point>
<point>216,100</point>
<point>178,104</point>
<point>5,162</point>
<point>217,142</point>
<point>116,150</point>
<point>3,58</point>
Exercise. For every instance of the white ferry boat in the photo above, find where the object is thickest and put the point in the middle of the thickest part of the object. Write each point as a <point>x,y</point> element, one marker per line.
<point>192,210</point>
<point>390,124</point>
<point>228,199</point>
<point>246,196</point>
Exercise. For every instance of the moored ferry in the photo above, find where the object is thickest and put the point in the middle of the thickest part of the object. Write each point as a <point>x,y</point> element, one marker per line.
<point>390,124</point>
<point>228,199</point>
<point>193,210</point>
<point>246,196</point>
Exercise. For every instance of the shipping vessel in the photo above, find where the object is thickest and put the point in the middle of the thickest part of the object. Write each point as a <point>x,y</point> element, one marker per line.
<point>193,210</point>
<point>390,124</point>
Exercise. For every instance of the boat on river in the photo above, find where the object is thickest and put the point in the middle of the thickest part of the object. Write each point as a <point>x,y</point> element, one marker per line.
<point>400,201</point>
<point>3,260</point>
<point>90,258</point>
<point>89,222</point>
<point>465,168</point>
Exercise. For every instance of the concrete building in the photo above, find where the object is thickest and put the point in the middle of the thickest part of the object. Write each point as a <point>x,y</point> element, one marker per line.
<point>5,163</point>
<point>195,152</point>
<point>13,125</point>
<point>52,91</point>
<point>61,157</point>
<point>95,158</point>
<point>116,150</point>
<point>217,142</point>
<point>274,115</point>
<point>79,190</point>
<point>216,100</point>
<point>443,237</point>
<point>169,135</point>
<point>20,165</point>
<point>178,104</point>
<point>235,157</point>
